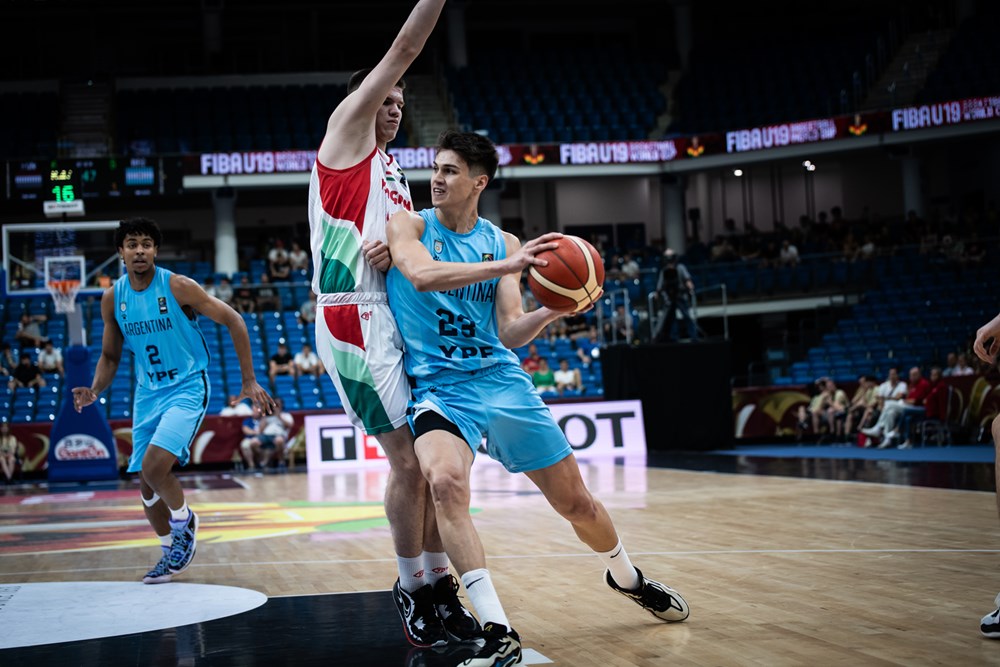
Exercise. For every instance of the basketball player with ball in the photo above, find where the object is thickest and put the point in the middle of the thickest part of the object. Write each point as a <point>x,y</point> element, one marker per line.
<point>460,318</point>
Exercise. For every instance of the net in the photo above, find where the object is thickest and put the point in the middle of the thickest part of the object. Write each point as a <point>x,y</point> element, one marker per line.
<point>64,294</point>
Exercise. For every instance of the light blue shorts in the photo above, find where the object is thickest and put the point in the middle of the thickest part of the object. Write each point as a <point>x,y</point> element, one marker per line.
<point>501,404</point>
<point>168,418</point>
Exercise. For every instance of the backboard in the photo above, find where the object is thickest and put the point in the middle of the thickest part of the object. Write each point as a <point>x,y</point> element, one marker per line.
<point>33,249</point>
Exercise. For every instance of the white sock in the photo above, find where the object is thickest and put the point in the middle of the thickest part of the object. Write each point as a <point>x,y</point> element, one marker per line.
<point>182,514</point>
<point>621,568</point>
<point>411,573</point>
<point>165,540</point>
<point>484,598</point>
<point>435,566</point>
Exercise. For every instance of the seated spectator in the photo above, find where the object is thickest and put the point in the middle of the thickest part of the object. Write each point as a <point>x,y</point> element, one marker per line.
<point>811,417</point>
<point>250,444</point>
<point>274,434</point>
<point>224,291</point>
<point>789,254</point>
<point>282,363</point>
<point>298,261</point>
<point>28,332</point>
<point>544,379</point>
<point>861,406</point>
<point>888,426</point>
<point>236,407</point>
<point>531,362</point>
<point>26,374</point>
<point>630,268</point>
<point>951,361</point>
<point>244,299</point>
<point>307,309</point>
<point>567,378</point>
<point>619,328</point>
<point>576,326</point>
<point>268,297</point>
<point>962,366</point>
<point>8,362</point>
<point>588,348</point>
<point>278,266</point>
<point>307,363</point>
<point>50,359</point>
<point>211,288</point>
<point>11,452</point>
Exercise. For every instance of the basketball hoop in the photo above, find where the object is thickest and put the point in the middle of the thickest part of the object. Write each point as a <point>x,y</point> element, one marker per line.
<point>64,294</point>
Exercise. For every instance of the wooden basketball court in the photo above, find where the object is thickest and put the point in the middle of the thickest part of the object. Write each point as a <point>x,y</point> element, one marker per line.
<point>777,570</point>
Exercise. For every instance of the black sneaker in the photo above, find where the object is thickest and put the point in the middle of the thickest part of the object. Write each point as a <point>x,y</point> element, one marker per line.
<point>661,601</point>
<point>420,620</point>
<point>458,622</point>
<point>502,648</point>
<point>990,625</point>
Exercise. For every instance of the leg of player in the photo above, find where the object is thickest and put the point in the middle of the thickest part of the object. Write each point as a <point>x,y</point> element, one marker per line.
<point>990,625</point>
<point>405,507</point>
<point>157,467</point>
<point>158,516</point>
<point>446,461</point>
<point>563,486</point>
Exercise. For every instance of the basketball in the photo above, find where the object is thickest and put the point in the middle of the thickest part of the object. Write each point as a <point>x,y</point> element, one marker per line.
<point>573,278</point>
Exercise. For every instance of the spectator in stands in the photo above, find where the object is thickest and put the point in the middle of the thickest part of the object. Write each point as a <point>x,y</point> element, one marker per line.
<point>789,253</point>
<point>862,407</point>
<point>893,389</point>
<point>268,297</point>
<point>26,374</point>
<point>274,434</point>
<point>224,291</point>
<point>28,331</point>
<point>244,299</point>
<point>889,422</point>
<point>236,408</point>
<point>544,379</point>
<point>11,452</point>
<point>532,361</point>
<point>282,363</point>
<point>50,359</point>
<point>250,444</point>
<point>567,378</point>
<point>630,268</point>
<point>307,363</point>
<point>298,261</point>
<point>930,406</point>
<point>307,309</point>
<point>279,267</point>
<point>962,366</point>
<point>676,290</point>
<point>835,411</point>
<point>575,326</point>
<point>8,362</point>
<point>722,250</point>
<point>588,348</point>
<point>951,361</point>
<point>810,418</point>
<point>619,328</point>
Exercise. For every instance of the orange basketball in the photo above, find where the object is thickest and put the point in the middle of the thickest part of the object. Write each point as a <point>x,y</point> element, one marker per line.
<point>573,278</point>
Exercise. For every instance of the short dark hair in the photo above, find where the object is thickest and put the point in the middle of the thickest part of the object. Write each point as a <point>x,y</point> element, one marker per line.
<point>476,149</point>
<point>355,81</point>
<point>138,227</point>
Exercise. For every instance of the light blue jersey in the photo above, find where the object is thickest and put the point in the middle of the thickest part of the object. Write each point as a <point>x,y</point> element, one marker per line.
<point>452,332</point>
<point>168,346</point>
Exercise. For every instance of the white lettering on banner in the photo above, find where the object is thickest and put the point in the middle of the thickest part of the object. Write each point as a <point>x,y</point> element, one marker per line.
<point>980,108</point>
<point>414,158</point>
<point>224,164</point>
<point>617,152</point>
<point>927,115</point>
<point>80,447</point>
<point>773,136</point>
<point>598,429</point>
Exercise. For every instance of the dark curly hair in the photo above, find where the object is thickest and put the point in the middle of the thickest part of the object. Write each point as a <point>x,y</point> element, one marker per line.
<point>138,227</point>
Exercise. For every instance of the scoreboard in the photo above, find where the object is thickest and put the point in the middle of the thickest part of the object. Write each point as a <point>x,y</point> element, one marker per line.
<point>65,180</point>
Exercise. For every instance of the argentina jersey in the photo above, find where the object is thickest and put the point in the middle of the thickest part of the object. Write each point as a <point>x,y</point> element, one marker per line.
<point>454,330</point>
<point>168,347</point>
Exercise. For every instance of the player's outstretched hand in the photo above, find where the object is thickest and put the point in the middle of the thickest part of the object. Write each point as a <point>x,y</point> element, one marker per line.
<point>82,397</point>
<point>377,255</point>
<point>258,396</point>
<point>526,254</point>
<point>990,330</point>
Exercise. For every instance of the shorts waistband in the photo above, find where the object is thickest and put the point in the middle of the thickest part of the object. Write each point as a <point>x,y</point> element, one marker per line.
<point>351,298</point>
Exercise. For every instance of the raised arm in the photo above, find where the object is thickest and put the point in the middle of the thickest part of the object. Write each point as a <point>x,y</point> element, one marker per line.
<point>415,262</point>
<point>350,132</point>
<point>190,294</point>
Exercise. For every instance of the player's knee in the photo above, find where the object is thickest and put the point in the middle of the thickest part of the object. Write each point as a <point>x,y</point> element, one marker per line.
<point>578,508</point>
<point>449,488</point>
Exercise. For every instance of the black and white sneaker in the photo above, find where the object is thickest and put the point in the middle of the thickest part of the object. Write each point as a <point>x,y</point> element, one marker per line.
<point>458,622</point>
<point>420,620</point>
<point>990,625</point>
<point>661,601</point>
<point>502,648</point>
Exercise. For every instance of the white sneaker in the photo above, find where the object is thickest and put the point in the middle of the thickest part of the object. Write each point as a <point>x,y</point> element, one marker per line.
<point>990,625</point>
<point>874,431</point>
